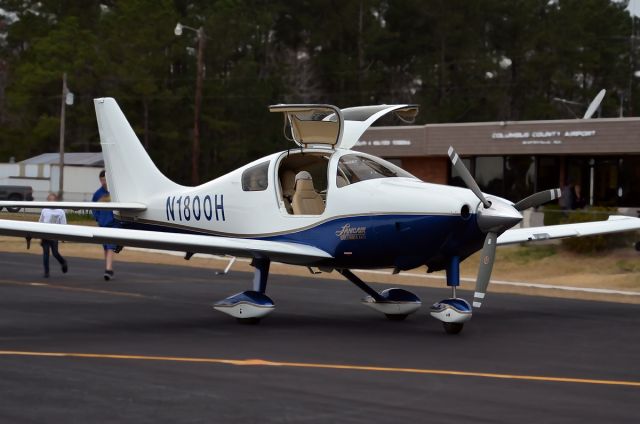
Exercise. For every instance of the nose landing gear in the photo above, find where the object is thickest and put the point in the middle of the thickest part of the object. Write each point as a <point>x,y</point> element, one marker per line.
<point>454,311</point>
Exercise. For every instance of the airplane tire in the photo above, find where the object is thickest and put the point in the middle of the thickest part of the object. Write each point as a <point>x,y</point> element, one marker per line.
<point>14,198</point>
<point>452,327</point>
<point>396,317</point>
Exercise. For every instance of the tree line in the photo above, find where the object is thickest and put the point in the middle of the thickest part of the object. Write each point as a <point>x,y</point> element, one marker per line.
<point>460,60</point>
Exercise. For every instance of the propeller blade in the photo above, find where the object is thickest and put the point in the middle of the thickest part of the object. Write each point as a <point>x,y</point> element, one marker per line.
<point>594,105</point>
<point>487,257</point>
<point>538,199</point>
<point>466,176</point>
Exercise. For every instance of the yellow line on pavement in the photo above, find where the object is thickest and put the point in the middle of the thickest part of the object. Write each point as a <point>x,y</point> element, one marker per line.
<point>100,291</point>
<point>260,362</point>
<point>78,289</point>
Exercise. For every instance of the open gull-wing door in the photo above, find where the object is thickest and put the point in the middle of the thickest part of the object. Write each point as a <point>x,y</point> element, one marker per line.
<point>359,119</point>
<point>311,125</point>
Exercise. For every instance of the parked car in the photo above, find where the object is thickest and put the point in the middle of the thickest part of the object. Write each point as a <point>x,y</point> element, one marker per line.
<point>15,193</point>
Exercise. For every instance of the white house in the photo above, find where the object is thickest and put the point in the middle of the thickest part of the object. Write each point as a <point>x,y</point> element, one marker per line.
<point>42,172</point>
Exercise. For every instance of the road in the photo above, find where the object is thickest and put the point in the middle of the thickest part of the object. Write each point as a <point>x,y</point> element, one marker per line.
<point>148,347</point>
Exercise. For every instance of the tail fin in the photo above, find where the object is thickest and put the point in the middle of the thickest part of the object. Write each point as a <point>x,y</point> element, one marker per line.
<point>131,174</point>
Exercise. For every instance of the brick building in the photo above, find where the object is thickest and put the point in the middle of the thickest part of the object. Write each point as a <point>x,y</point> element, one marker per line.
<point>599,158</point>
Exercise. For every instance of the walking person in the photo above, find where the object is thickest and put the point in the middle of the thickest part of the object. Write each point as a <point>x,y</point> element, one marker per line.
<point>52,216</point>
<point>105,219</point>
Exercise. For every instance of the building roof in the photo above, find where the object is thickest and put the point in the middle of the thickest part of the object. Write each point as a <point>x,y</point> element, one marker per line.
<point>602,136</point>
<point>78,159</point>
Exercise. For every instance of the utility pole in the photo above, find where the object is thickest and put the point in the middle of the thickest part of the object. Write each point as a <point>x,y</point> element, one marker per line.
<point>195,150</point>
<point>632,63</point>
<point>62,122</point>
<point>195,147</point>
<point>67,99</point>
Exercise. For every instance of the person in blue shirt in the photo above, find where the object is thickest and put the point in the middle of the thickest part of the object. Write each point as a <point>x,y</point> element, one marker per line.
<point>105,219</point>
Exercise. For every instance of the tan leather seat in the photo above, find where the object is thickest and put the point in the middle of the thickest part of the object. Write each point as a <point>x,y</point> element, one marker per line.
<point>306,201</point>
<point>288,183</point>
<point>341,181</point>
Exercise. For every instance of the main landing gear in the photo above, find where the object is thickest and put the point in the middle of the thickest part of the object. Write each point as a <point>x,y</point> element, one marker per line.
<point>395,303</point>
<point>452,312</point>
<point>250,306</point>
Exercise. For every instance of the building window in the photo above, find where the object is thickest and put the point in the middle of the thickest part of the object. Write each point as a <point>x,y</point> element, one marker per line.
<point>516,177</point>
<point>455,178</point>
<point>605,182</point>
<point>519,177</point>
<point>577,180</point>
<point>629,181</point>
<point>490,174</point>
<point>548,173</point>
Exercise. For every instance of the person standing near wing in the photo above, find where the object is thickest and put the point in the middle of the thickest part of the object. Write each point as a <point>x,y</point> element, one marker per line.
<point>52,216</point>
<point>105,219</point>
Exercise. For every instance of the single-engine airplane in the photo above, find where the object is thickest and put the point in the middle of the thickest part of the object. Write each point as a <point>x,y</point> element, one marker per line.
<point>320,205</point>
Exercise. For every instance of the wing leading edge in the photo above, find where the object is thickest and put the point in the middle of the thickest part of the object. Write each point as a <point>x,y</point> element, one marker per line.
<point>109,206</point>
<point>614,224</point>
<point>292,253</point>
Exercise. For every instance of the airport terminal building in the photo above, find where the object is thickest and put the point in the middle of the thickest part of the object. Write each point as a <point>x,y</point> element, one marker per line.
<point>600,158</point>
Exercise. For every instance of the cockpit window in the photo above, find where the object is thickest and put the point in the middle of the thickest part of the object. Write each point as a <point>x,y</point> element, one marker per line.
<point>354,168</point>
<point>256,177</point>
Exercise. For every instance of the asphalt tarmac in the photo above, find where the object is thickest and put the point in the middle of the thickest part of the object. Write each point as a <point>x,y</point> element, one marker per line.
<point>148,347</point>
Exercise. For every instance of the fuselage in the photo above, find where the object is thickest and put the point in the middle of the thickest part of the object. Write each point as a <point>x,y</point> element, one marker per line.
<point>373,214</point>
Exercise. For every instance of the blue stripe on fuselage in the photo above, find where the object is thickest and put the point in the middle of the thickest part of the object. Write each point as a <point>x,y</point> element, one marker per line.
<point>376,241</point>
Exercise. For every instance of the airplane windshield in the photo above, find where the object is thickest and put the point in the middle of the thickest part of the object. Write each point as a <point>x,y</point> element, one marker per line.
<point>354,168</point>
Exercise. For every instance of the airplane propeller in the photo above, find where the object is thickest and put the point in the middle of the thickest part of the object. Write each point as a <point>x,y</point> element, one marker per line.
<point>537,199</point>
<point>496,217</point>
<point>487,257</point>
<point>466,176</point>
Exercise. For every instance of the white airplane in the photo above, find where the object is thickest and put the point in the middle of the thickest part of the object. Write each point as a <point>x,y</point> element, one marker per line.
<point>320,205</point>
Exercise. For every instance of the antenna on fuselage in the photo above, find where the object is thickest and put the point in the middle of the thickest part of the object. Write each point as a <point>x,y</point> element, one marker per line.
<point>229,265</point>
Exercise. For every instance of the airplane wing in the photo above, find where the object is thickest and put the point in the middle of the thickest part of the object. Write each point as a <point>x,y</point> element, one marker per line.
<point>111,206</point>
<point>292,253</point>
<point>614,224</point>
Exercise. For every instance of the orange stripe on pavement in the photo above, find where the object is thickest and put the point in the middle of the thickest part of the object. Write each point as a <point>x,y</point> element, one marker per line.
<point>260,362</point>
<point>78,289</point>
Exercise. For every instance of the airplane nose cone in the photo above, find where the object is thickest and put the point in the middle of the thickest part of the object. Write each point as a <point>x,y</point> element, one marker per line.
<point>499,217</point>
